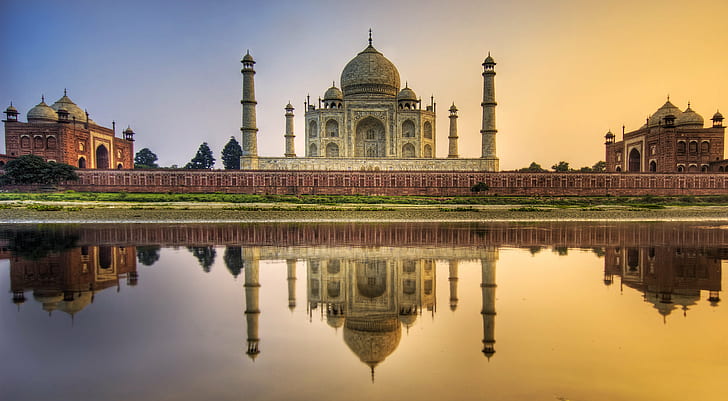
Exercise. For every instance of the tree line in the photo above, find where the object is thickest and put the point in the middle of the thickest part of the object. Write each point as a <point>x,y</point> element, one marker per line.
<point>203,159</point>
<point>562,167</point>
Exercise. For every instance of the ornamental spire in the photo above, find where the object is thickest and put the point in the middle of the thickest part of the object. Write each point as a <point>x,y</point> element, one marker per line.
<point>370,36</point>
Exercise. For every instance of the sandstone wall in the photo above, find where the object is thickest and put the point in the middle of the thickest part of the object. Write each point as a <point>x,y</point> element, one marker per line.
<point>434,183</point>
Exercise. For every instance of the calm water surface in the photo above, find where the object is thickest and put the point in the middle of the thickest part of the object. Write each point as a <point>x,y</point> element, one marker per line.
<point>552,311</point>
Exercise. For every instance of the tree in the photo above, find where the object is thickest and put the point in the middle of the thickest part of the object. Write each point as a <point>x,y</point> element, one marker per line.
<point>599,167</point>
<point>145,158</point>
<point>32,169</point>
<point>233,258</point>
<point>480,186</point>
<point>205,255</point>
<point>231,155</point>
<point>203,159</point>
<point>561,167</point>
<point>533,168</point>
<point>148,255</point>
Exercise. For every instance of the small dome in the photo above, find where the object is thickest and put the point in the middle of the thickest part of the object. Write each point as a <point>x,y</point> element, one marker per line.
<point>489,60</point>
<point>609,134</point>
<point>333,93</point>
<point>717,116</point>
<point>370,73</point>
<point>248,58</point>
<point>453,109</point>
<point>407,94</point>
<point>128,130</point>
<point>667,109</point>
<point>289,106</point>
<point>408,320</point>
<point>42,113</point>
<point>77,304</point>
<point>73,110</point>
<point>11,109</point>
<point>689,117</point>
<point>335,321</point>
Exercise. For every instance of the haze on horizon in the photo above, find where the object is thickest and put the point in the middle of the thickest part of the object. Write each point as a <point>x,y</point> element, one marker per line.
<point>568,71</point>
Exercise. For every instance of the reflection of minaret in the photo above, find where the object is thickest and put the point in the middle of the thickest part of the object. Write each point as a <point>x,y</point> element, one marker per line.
<point>291,263</point>
<point>488,285</point>
<point>252,311</point>
<point>453,278</point>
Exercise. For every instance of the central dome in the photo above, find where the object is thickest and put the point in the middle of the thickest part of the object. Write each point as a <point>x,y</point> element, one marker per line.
<point>370,73</point>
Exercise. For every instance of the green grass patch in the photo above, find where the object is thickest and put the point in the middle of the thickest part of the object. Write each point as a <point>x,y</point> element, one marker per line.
<point>44,208</point>
<point>335,200</point>
<point>527,209</point>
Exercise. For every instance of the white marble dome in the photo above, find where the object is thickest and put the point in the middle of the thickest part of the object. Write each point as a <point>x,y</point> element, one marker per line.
<point>370,74</point>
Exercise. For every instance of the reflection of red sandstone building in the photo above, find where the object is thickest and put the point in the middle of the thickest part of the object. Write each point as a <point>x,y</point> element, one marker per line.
<point>67,281</point>
<point>64,133</point>
<point>668,277</point>
<point>670,141</point>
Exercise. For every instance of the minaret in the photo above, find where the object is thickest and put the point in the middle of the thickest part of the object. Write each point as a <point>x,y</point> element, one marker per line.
<point>453,279</point>
<point>252,311</point>
<point>488,285</point>
<point>488,132</point>
<point>453,138</point>
<point>290,149</point>
<point>291,264</point>
<point>249,129</point>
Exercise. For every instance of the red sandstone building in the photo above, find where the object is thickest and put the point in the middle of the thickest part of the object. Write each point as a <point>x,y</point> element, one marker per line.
<point>671,141</point>
<point>64,133</point>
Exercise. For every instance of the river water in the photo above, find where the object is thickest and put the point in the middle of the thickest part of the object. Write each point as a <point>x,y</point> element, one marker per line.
<point>457,311</point>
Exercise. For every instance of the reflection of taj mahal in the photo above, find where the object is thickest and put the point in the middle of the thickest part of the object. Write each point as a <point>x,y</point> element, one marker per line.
<point>368,294</point>
<point>371,299</point>
<point>371,123</point>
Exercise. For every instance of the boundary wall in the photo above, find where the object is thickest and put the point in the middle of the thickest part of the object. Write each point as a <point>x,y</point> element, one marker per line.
<point>432,183</point>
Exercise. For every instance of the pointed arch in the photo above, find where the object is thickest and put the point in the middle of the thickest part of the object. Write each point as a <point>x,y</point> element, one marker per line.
<point>102,157</point>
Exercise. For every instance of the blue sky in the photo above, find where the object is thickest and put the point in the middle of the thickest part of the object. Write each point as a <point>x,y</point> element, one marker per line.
<point>567,71</point>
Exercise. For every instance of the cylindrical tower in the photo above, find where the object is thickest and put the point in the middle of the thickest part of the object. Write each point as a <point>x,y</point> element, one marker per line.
<point>488,286</point>
<point>290,149</point>
<point>291,265</point>
<point>249,128</point>
<point>453,279</point>
<point>252,310</point>
<point>453,137</point>
<point>488,132</point>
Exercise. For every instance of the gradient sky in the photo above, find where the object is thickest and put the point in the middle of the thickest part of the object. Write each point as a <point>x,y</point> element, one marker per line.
<point>568,70</point>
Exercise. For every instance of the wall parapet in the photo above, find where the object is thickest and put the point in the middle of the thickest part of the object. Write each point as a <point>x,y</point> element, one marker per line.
<point>433,183</point>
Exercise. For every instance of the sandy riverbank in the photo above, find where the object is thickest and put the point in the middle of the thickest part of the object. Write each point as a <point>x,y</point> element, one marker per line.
<point>110,212</point>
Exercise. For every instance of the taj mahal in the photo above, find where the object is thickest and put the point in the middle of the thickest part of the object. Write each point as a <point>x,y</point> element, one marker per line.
<point>370,123</point>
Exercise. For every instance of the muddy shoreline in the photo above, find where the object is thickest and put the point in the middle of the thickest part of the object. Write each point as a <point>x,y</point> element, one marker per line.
<point>79,212</point>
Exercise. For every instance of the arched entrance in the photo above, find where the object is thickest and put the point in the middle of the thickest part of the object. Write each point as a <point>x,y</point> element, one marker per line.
<point>634,160</point>
<point>653,166</point>
<point>371,278</point>
<point>427,151</point>
<point>81,162</point>
<point>332,150</point>
<point>102,157</point>
<point>370,138</point>
<point>408,150</point>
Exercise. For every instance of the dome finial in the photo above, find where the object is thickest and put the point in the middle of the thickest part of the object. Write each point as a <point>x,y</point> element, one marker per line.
<point>668,97</point>
<point>64,92</point>
<point>42,98</point>
<point>370,36</point>
<point>333,83</point>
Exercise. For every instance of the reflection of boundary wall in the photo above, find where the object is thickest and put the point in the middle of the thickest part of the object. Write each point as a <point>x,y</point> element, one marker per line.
<point>403,235</point>
<point>435,183</point>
